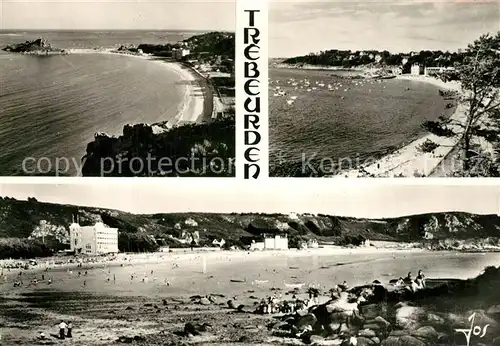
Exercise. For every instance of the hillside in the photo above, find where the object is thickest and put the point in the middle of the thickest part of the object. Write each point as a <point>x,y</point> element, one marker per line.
<point>215,43</point>
<point>212,43</point>
<point>20,220</point>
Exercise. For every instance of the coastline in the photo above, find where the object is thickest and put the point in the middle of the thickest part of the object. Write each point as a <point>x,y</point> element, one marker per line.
<point>193,107</point>
<point>409,161</point>
<point>186,256</point>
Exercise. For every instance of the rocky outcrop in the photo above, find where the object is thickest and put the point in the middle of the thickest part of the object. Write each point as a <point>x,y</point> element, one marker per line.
<point>361,316</point>
<point>36,47</point>
<point>206,149</point>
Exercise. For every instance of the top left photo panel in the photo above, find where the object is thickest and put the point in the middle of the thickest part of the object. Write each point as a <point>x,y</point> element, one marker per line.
<point>117,89</point>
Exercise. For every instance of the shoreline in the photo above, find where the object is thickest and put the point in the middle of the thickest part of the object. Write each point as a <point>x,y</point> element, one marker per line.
<point>193,107</point>
<point>180,255</point>
<point>408,160</point>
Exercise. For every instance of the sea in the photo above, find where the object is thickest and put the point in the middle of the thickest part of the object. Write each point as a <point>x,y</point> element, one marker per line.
<point>51,106</point>
<point>357,121</point>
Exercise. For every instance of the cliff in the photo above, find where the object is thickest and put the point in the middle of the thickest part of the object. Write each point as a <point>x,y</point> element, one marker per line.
<point>20,220</point>
<point>206,149</point>
<point>35,47</point>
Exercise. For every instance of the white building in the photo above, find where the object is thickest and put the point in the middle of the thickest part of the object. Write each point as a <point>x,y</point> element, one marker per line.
<point>93,240</point>
<point>436,70</point>
<point>276,243</point>
<point>271,243</point>
<point>180,53</point>
<point>257,245</point>
<point>415,69</point>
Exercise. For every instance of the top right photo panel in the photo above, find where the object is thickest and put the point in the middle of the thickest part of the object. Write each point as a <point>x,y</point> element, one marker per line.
<point>384,89</point>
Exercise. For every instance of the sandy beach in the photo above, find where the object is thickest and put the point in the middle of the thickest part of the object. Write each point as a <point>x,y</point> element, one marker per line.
<point>104,302</point>
<point>193,108</point>
<point>409,161</point>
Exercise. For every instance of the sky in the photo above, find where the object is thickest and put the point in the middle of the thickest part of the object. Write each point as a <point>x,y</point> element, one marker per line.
<point>299,27</point>
<point>118,15</point>
<point>356,198</point>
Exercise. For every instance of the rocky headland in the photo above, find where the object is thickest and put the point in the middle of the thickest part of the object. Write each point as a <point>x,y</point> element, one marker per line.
<point>388,315</point>
<point>36,47</point>
<point>205,149</point>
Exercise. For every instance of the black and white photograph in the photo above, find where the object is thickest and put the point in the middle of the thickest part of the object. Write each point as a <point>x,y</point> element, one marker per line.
<point>117,89</point>
<point>384,88</point>
<point>89,264</point>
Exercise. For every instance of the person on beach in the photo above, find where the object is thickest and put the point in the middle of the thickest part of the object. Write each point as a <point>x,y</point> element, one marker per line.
<point>421,277</point>
<point>417,284</point>
<point>409,279</point>
<point>400,282</point>
<point>43,277</point>
<point>69,334</point>
<point>62,330</point>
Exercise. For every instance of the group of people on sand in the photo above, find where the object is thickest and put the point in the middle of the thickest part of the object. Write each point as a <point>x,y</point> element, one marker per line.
<point>35,281</point>
<point>410,283</point>
<point>65,331</point>
<point>275,304</point>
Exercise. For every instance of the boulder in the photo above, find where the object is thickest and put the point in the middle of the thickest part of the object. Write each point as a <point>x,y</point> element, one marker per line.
<point>407,317</point>
<point>435,319</point>
<point>316,340</point>
<point>367,333</point>
<point>205,301</point>
<point>402,341</point>
<point>493,310</point>
<point>378,328</point>
<point>380,320</point>
<point>333,328</point>
<point>428,334</point>
<point>231,304</point>
<point>337,317</point>
<point>370,311</point>
<point>362,341</point>
<point>306,320</point>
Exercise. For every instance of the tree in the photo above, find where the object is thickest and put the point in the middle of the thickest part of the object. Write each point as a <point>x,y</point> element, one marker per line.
<point>479,76</point>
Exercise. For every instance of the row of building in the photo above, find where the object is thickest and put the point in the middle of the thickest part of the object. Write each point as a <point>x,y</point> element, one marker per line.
<point>101,239</point>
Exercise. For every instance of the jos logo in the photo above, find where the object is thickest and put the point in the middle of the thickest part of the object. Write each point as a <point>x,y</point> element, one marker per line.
<point>473,330</point>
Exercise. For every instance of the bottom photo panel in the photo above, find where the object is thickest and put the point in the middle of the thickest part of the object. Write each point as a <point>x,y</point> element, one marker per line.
<point>153,264</point>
